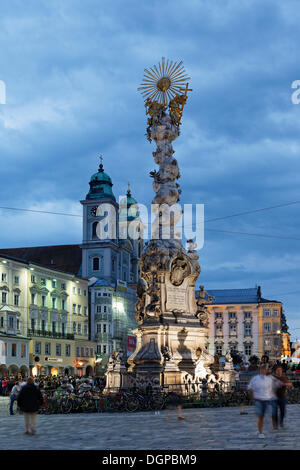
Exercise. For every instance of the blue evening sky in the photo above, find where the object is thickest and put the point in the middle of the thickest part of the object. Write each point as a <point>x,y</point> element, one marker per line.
<point>72,69</point>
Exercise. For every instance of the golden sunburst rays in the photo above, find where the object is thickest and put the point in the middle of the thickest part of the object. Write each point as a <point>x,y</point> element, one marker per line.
<point>164,81</point>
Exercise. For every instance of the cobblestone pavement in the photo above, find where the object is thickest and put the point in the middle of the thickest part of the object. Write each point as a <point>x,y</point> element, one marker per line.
<point>206,428</point>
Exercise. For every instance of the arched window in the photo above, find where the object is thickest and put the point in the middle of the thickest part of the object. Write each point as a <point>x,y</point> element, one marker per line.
<point>96,264</point>
<point>94,230</point>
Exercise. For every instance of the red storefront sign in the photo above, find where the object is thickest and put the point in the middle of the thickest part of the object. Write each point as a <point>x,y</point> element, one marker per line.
<point>131,343</point>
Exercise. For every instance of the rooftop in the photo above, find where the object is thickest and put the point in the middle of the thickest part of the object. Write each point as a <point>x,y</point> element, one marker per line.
<point>238,296</point>
<point>66,258</point>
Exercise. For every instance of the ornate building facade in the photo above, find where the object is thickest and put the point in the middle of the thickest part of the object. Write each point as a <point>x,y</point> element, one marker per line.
<point>43,320</point>
<point>243,321</point>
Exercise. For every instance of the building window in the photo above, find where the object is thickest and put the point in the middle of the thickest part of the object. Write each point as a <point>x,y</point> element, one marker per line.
<point>54,283</point>
<point>16,280</point>
<point>247,315</point>
<point>16,300</point>
<point>63,286</point>
<point>248,349</point>
<point>85,293</point>
<point>219,349</point>
<point>18,324</point>
<point>96,264</point>
<point>74,290</point>
<point>232,329</point>
<point>77,351</point>
<point>267,327</point>
<point>68,350</point>
<point>247,330</point>
<point>219,315</point>
<point>47,348</point>
<point>63,328</point>
<point>33,279</point>
<point>85,329</point>
<point>232,315</point>
<point>54,327</point>
<point>14,350</point>
<point>79,309</point>
<point>275,313</point>
<point>79,291</point>
<point>43,281</point>
<point>33,323</point>
<point>63,304</point>
<point>267,313</point>
<point>79,328</point>
<point>4,297</point>
<point>43,325</point>
<point>104,348</point>
<point>58,349</point>
<point>11,322</point>
<point>218,329</point>
<point>1,322</point>
<point>38,348</point>
<point>23,350</point>
<point>43,300</point>
<point>98,308</point>
<point>74,327</point>
<point>98,348</point>
<point>33,299</point>
<point>104,328</point>
<point>85,311</point>
<point>74,308</point>
<point>54,302</point>
<point>275,327</point>
<point>98,327</point>
<point>4,277</point>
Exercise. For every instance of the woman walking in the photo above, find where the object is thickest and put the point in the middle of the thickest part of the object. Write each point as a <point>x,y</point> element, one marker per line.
<point>281,393</point>
<point>29,401</point>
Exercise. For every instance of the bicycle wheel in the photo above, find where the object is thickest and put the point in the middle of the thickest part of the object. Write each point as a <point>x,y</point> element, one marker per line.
<point>132,404</point>
<point>157,403</point>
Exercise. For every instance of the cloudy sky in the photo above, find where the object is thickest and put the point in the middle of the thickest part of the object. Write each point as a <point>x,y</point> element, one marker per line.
<point>72,69</point>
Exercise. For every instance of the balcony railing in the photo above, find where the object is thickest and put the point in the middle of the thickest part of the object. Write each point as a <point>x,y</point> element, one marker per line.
<point>50,334</point>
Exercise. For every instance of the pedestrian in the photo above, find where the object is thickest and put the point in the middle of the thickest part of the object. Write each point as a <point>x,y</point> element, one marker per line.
<point>4,387</point>
<point>263,390</point>
<point>281,394</point>
<point>29,401</point>
<point>14,396</point>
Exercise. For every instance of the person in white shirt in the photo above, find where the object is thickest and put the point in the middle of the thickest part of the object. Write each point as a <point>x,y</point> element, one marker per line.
<point>14,396</point>
<point>263,391</point>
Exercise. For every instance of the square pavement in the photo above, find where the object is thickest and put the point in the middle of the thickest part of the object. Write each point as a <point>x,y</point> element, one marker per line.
<point>204,428</point>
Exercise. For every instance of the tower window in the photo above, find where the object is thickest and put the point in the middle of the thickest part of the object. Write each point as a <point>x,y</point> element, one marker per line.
<point>94,230</point>
<point>96,264</point>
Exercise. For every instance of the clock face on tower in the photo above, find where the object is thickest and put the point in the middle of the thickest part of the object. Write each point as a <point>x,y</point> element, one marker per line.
<point>93,211</point>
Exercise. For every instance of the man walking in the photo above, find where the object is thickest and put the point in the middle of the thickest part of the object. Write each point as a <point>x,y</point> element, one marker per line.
<point>29,401</point>
<point>263,390</point>
<point>14,396</point>
<point>281,393</point>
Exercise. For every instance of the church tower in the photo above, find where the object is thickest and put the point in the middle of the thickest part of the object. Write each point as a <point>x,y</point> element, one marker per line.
<point>99,255</point>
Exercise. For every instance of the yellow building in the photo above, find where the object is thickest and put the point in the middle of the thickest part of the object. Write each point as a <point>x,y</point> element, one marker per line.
<point>286,344</point>
<point>243,321</point>
<point>52,313</point>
